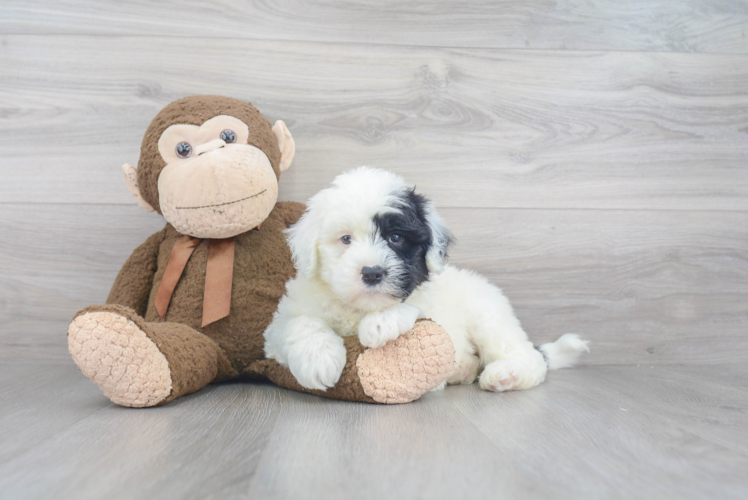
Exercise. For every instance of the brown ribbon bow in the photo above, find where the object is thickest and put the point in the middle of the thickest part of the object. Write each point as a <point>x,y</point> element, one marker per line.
<point>218,277</point>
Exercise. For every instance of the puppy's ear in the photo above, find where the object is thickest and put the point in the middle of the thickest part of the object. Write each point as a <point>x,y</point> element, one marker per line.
<point>440,240</point>
<point>302,239</point>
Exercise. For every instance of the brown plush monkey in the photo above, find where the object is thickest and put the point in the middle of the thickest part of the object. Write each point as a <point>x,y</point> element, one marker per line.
<point>190,305</point>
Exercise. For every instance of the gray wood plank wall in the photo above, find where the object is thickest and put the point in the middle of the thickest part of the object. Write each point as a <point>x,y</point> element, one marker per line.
<point>591,157</point>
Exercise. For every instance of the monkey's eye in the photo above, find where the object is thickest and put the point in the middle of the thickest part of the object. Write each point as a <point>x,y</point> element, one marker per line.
<point>184,150</point>
<point>395,238</point>
<point>228,136</point>
<point>346,239</point>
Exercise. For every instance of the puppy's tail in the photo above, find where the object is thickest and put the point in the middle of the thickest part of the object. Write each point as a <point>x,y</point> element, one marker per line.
<point>564,352</point>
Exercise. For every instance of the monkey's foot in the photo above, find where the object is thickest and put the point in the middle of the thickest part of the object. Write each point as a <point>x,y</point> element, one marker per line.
<point>404,369</point>
<point>115,353</point>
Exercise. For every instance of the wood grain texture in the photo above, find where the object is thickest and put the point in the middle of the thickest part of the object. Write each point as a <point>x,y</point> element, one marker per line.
<point>26,389</point>
<point>591,432</point>
<point>223,436</point>
<point>644,286</point>
<point>590,156</point>
<point>472,127</point>
<point>642,25</point>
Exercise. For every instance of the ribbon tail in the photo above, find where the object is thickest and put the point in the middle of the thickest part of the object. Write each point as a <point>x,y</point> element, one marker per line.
<point>218,280</point>
<point>180,254</point>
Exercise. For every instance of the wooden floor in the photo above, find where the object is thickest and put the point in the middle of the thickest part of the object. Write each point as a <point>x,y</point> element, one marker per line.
<point>665,432</point>
<point>591,158</point>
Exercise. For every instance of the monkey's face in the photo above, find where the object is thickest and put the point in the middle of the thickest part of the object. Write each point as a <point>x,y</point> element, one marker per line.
<point>210,165</point>
<point>214,185</point>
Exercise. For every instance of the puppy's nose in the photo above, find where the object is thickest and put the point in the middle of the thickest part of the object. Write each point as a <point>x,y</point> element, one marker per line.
<point>372,275</point>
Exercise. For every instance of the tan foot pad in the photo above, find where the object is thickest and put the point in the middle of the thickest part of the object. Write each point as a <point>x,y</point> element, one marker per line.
<point>409,366</point>
<point>119,357</point>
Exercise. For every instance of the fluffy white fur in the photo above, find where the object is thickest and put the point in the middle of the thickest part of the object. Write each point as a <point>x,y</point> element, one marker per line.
<point>328,299</point>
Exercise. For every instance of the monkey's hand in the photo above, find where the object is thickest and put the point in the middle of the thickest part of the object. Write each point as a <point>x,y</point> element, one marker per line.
<point>377,328</point>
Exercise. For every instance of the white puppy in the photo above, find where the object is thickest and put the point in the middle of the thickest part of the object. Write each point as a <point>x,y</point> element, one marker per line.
<point>369,254</point>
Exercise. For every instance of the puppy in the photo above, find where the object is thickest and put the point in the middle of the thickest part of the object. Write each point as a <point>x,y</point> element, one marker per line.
<point>369,253</point>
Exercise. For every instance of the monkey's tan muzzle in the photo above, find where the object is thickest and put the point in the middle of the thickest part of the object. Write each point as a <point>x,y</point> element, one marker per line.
<point>223,191</point>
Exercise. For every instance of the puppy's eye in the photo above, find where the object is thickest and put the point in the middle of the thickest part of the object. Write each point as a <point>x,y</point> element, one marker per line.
<point>184,150</point>
<point>346,239</point>
<point>228,136</point>
<point>395,238</point>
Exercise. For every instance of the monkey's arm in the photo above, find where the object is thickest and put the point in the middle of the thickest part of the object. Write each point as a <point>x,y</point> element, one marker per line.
<point>291,210</point>
<point>399,372</point>
<point>135,280</point>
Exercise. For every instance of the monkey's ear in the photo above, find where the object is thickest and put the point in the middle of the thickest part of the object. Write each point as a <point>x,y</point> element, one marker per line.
<point>131,179</point>
<point>286,144</point>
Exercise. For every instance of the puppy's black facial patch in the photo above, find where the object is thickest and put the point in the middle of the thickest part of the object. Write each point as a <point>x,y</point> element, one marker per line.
<point>408,235</point>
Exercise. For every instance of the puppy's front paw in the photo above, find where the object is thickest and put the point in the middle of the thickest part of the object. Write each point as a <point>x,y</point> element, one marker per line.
<point>377,328</point>
<point>317,361</point>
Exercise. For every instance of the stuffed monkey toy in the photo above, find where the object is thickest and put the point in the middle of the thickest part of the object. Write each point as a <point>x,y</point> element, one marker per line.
<point>190,305</point>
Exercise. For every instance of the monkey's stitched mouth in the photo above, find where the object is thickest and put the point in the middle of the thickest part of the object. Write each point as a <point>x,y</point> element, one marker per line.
<point>222,204</point>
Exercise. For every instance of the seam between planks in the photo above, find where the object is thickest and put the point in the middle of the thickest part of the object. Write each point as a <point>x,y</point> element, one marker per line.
<point>368,44</point>
<point>442,207</point>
